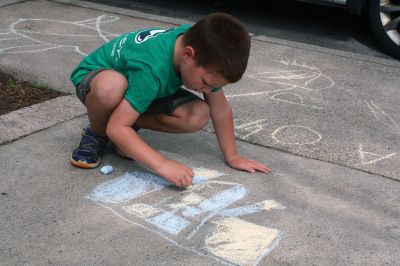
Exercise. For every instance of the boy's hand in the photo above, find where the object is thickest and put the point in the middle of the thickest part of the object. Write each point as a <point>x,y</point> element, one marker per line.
<point>175,172</point>
<point>241,163</point>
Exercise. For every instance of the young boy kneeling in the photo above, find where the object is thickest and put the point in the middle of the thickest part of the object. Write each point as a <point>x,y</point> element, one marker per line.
<point>134,81</point>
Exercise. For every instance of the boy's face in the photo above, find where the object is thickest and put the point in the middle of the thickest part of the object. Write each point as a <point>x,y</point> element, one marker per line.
<point>197,78</point>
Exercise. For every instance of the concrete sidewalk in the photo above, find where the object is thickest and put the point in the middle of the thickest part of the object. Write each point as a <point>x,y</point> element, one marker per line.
<point>325,122</point>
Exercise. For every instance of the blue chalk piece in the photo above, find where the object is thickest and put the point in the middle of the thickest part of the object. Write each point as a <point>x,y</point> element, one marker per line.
<point>106,169</point>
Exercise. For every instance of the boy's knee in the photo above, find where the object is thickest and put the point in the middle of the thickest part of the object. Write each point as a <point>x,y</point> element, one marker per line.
<point>108,89</point>
<point>198,117</point>
<point>106,97</point>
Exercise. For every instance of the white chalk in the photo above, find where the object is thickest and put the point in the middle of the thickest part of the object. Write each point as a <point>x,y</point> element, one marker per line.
<point>106,169</point>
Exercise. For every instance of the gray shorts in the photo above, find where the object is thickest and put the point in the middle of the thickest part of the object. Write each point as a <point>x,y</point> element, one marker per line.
<point>165,105</point>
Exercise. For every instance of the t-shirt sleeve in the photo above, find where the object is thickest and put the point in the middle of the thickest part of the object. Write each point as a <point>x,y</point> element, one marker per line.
<point>142,90</point>
<point>216,89</point>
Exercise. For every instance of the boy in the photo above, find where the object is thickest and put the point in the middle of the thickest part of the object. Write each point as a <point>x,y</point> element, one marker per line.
<point>134,82</point>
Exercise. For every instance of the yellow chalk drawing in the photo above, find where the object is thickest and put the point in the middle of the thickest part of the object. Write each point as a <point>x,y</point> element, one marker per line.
<point>141,210</point>
<point>270,205</point>
<point>241,242</point>
<point>191,198</point>
<point>203,174</point>
<point>207,173</point>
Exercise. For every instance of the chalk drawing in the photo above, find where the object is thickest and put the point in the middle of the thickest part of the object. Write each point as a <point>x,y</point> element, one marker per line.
<point>312,78</point>
<point>141,210</point>
<point>41,39</point>
<point>263,91</point>
<point>301,79</point>
<point>369,157</point>
<point>202,219</point>
<point>298,77</point>
<point>241,242</point>
<point>246,130</point>
<point>381,116</point>
<point>297,99</point>
<point>286,134</point>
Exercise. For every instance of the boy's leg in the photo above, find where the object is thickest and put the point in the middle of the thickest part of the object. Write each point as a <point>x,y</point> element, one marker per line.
<point>107,89</point>
<point>183,112</point>
<point>101,91</point>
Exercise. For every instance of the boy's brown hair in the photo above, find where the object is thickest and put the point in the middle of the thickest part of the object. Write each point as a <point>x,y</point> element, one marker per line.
<point>221,44</point>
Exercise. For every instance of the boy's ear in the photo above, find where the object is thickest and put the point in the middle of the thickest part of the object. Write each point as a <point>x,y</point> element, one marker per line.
<point>188,53</point>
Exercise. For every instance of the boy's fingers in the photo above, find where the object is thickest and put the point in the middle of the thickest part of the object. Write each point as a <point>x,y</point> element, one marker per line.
<point>264,169</point>
<point>261,168</point>
<point>257,168</point>
<point>191,172</point>
<point>186,180</point>
<point>179,183</point>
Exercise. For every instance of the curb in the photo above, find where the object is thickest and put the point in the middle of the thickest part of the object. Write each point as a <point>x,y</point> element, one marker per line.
<point>28,120</point>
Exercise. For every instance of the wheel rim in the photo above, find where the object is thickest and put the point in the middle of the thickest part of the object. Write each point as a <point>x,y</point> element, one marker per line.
<point>390,17</point>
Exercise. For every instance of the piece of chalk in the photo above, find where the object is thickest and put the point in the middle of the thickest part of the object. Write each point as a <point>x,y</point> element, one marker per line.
<point>106,169</point>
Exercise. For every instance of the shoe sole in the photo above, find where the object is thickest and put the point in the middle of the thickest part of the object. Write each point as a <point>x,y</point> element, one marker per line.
<point>83,165</point>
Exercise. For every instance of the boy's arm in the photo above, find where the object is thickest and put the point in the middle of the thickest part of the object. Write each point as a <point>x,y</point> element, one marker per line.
<point>120,132</point>
<point>222,118</point>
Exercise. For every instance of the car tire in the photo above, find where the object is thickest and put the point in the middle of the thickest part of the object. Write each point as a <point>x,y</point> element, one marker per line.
<point>384,17</point>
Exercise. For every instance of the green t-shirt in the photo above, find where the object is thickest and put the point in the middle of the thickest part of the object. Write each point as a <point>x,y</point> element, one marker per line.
<point>145,58</point>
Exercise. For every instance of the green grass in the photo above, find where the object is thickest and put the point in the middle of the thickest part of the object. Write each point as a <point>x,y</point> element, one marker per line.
<point>41,86</point>
<point>13,84</point>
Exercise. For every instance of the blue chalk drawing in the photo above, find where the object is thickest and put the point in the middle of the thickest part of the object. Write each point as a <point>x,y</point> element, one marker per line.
<point>143,199</point>
<point>223,199</point>
<point>189,211</point>
<point>254,208</point>
<point>169,222</point>
<point>127,187</point>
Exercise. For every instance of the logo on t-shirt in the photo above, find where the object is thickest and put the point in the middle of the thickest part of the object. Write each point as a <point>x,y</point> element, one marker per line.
<point>147,34</point>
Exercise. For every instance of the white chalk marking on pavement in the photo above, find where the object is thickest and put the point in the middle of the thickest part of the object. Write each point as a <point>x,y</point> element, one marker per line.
<point>300,103</point>
<point>12,38</point>
<point>259,93</point>
<point>98,23</point>
<point>301,77</point>
<point>241,242</point>
<point>250,128</point>
<point>23,34</point>
<point>288,127</point>
<point>381,116</point>
<point>377,157</point>
<point>93,21</point>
